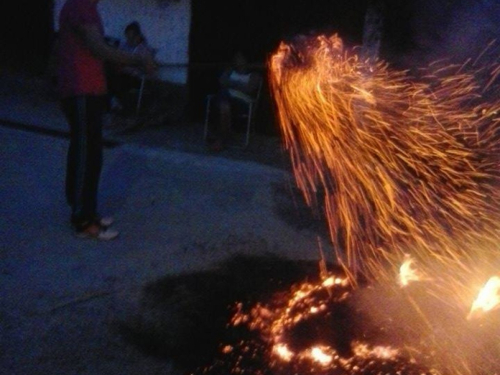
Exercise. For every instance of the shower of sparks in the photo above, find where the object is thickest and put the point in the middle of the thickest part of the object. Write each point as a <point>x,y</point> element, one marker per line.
<point>400,166</point>
<point>403,168</point>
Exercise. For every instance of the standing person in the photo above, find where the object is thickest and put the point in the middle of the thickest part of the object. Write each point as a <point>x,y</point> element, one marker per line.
<point>82,84</point>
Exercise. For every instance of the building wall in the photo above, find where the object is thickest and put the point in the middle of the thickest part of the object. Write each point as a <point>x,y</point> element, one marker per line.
<point>165,23</point>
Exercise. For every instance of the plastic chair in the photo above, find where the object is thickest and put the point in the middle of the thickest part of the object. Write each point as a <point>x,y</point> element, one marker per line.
<point>251,108</point>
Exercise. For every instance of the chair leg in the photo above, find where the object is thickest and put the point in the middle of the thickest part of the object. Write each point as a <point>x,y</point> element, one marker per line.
<point>139,99</point>
<point>207,115</point>
<point>249,124</point>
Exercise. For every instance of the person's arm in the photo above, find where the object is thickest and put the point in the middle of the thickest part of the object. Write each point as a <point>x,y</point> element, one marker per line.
<point>97,45</point>
<point>249,87</point>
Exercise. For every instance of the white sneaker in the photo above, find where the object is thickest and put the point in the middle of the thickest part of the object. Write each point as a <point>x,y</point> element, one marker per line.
<point>105,221</point>
<point>97,232</point>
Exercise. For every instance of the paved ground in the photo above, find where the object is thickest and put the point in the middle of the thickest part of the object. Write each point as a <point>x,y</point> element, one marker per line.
<point>60,297</point>
<point>28,101</point>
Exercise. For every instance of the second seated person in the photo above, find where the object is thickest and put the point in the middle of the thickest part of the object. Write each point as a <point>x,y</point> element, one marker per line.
<point>237,86</point>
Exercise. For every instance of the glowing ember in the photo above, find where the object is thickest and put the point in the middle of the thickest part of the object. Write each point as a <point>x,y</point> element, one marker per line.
<point>383,352</point>
<point>319,355</point>
<point>331,281</point>
<point>291,340</point>
<point>488,298</point>
<point>283,352</point>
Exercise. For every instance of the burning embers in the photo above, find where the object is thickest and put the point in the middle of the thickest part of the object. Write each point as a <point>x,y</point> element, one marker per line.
<point>311,329</point>
<point>329,326</point>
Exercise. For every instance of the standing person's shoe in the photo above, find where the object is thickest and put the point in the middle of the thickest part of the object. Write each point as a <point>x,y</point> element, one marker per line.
<point>105,221</point>
<point>97,232</point>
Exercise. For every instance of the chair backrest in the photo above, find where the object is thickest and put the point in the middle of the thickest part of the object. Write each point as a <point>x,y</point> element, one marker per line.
<point>248,98</point>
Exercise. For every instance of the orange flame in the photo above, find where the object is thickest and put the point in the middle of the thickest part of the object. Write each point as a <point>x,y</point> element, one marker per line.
<point>488,298</point>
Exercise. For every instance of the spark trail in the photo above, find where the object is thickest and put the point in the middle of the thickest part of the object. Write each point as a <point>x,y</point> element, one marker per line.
<point>399,165</point>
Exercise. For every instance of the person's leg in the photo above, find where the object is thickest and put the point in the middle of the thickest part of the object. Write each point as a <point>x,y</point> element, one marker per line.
<point>129,87</point>
<point>69,108</point>
<point>95,109</point>
<point>224,119</point>
<point>84,115</point>
<point>219,130</point>
<point>84,158</point>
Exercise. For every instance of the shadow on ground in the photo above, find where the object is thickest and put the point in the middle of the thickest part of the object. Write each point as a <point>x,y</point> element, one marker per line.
<point>185,317</point>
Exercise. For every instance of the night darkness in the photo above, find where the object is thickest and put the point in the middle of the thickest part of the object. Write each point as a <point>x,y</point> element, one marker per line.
<point>26,30</point>
<point>256,26</point>
<point>415,31</point>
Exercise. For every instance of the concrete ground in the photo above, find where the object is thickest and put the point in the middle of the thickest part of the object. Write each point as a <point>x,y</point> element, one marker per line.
<point>178,211</point>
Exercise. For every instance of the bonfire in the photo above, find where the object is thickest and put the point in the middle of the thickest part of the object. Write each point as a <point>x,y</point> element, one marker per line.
<point>405,169</point>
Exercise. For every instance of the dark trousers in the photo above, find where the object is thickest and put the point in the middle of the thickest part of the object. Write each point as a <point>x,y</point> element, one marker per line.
<point>219,126</point>
<point>84,164</point>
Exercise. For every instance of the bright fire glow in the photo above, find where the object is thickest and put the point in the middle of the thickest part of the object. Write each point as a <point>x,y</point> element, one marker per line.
<point>395,163</point>
<point>384,352</point>
<point>319,355</point>
<point>488,298</point>
<point>408,273</point>
<point>283,352</point>
<point>398,164</point>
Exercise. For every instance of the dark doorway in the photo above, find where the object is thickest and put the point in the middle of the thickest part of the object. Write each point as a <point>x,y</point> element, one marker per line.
<point>26,31</point>
<point>221,27</point>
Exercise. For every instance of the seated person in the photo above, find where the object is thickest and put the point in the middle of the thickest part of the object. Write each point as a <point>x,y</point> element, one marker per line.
<point>125,79</point>
<point>238,85</point>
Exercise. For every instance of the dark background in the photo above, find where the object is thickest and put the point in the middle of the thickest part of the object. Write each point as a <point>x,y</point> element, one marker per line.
<point>219,27</point>
<point>415,31</point>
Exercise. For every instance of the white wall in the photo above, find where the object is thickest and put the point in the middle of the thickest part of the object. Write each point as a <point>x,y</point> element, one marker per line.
<point>165,23</point>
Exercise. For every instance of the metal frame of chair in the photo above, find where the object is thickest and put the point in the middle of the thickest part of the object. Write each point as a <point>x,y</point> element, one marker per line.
<point>141,92</point>
<point>154,51</point>
<point>252,106</point>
